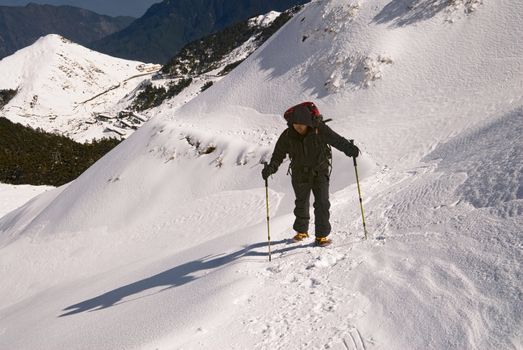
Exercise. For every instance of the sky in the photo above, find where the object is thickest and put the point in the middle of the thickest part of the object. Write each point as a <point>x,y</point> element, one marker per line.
<point>134,8</point>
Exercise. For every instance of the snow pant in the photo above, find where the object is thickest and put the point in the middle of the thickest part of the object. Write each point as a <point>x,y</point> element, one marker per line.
<point>303,184</point>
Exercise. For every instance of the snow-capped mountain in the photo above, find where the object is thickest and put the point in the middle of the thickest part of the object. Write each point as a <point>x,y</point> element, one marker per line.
<point>66,88</point>
<point>84,94</point>
<point>162,243</point>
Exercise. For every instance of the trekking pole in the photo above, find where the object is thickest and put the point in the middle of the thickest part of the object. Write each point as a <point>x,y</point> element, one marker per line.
<point>359,193</point>
<point>267,205</point>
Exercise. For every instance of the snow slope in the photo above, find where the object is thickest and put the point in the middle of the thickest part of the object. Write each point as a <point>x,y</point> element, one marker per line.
<point>14,196</point>
<point>56,80</point>
<point>162,243</point>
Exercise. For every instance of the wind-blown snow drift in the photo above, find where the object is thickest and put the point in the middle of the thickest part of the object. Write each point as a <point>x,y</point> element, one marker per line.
<point>161,243</point>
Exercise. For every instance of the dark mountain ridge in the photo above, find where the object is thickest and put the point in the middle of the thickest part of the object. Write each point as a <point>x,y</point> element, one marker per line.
<point>212,52</point>
<point>132,8</point>
<point>22,26</point>
<point>167,26</point>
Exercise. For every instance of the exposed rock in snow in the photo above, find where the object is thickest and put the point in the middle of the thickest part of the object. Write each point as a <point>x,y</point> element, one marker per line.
<point>355,72</point>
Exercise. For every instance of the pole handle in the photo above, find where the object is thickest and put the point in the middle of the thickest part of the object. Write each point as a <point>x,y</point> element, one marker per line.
<point>353,158</point>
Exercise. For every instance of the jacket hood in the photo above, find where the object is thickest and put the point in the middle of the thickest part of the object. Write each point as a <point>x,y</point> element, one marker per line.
<point>301,115</point>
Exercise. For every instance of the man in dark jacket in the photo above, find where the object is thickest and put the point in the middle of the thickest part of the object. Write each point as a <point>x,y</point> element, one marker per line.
<point>307,141</point>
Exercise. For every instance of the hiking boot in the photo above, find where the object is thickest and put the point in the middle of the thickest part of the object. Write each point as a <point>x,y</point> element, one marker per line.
<point>322,241</point>
<point>300,236</point>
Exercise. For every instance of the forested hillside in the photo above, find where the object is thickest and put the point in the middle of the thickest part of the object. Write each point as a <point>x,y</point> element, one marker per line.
<point>29,156</point>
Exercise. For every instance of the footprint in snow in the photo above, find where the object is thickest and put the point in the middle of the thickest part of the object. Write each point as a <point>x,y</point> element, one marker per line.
<point>326,260</point>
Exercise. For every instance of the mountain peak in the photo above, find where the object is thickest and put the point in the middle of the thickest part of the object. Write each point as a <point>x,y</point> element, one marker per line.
<point>55,77</point>
<point>52,39</point>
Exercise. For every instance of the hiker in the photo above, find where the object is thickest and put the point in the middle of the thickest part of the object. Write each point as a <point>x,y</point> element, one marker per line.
<point>307,141</point>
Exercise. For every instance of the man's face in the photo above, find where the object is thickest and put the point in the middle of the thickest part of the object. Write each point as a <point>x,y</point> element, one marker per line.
<point>300,128</point>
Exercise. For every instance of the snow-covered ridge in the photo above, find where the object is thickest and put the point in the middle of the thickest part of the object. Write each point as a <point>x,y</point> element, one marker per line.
<point>62,86</point>
<point>264,20</point>
<point>171,224</point>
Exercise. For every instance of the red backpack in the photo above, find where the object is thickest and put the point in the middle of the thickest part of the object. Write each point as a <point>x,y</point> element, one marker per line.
<point>317,119</point>
<point>315,114</point>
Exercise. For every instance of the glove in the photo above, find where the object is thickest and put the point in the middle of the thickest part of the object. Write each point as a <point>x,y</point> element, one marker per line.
<point>353,151</point>
<point>266,172</point>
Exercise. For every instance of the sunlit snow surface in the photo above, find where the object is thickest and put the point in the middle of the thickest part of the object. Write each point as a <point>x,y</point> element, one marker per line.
<point>14,196</point>
<point>162,243</point>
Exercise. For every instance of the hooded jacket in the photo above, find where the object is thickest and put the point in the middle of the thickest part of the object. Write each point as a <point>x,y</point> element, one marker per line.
<point>309,152</point>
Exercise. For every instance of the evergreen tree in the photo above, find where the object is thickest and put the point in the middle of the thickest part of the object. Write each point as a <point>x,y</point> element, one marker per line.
<point>35,157</point>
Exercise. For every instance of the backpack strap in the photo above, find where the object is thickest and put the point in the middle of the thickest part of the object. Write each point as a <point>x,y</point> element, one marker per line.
<point>325,149</point>
<point>289,171</point>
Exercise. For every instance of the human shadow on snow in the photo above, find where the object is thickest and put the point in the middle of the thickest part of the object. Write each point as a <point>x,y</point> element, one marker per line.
<point>405,12</point>
<point>175,277</point>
